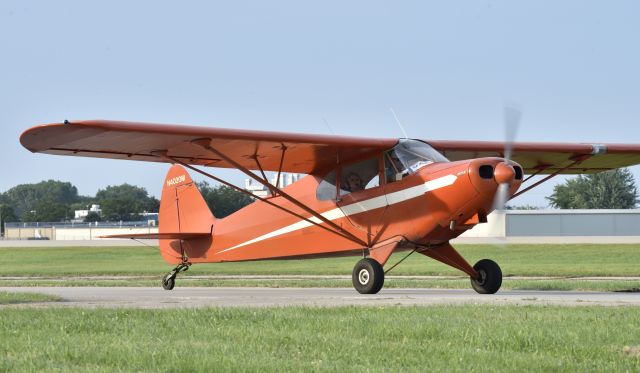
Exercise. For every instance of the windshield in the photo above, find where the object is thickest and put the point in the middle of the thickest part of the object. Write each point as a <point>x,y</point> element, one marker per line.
<point>411,155</point>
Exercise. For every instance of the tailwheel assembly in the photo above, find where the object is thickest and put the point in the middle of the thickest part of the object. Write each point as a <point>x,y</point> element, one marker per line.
<point>169,280</point>
<point>368,276</point>
<point>489,277</point>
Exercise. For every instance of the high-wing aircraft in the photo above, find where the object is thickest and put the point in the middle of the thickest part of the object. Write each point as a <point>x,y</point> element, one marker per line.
<point>361,196</point>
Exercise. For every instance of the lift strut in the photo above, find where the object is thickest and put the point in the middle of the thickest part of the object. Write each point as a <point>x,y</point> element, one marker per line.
<point>205,143</point>
<point>576,160</point>
<point>265,200</point>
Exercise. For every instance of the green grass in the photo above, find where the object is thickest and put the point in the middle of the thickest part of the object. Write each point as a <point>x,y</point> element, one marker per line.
<point>520,260</point>
<point>15,298</point>
<point>441,338</point>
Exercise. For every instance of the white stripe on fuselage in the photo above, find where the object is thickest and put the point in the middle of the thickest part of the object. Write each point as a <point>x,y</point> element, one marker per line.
<point>359,207</point>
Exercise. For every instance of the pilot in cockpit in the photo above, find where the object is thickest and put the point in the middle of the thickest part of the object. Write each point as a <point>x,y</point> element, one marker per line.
<point>354,182</point>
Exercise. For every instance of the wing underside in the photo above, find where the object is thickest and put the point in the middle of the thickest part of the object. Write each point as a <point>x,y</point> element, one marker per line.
<point>547,158</point>
<point>293,152</point>
<point>271,151</point>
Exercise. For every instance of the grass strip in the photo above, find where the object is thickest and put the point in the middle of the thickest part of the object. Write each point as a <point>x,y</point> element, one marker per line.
<point>437,338</point>
<point>7,297</point>
<point>515,260</point>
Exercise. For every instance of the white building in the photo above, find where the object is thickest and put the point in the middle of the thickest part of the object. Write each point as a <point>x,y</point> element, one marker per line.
<point>80,215</point>
<point>559,223</point>
<point>260,190</point>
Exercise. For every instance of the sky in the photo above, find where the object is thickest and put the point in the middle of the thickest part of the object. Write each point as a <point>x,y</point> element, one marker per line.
<point>445,67</point>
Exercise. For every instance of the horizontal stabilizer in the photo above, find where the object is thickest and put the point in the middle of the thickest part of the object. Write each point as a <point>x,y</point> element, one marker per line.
<point>162,236</point>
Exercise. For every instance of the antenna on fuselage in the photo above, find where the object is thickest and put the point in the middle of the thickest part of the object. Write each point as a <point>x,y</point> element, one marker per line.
<point>399,124</point>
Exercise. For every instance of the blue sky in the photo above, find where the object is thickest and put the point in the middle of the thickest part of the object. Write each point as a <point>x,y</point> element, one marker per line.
<point>445,67</point>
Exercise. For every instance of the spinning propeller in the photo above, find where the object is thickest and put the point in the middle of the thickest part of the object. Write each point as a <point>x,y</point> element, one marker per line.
<point>504,172</point>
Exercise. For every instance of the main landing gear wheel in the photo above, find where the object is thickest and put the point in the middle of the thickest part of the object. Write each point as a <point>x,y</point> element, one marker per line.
<point>490,277</point>
<point>368,276</point>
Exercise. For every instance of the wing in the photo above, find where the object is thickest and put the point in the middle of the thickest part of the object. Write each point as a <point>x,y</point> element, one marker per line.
<point>547,158</point>
<point>304,153</point>
<point>143,142</point>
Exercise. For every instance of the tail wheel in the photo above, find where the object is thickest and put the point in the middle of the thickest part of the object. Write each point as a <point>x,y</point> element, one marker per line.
<point>489,277</point>
<point>368,276</point>
<point>168,282</point>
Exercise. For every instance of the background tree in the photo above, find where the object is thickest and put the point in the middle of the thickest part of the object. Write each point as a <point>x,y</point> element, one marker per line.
<point>125,202</point>
<point>92,216</point>
<point>223,200</point>
<point>614,189</point>
<point>45,201</point>
<point>6,215</point>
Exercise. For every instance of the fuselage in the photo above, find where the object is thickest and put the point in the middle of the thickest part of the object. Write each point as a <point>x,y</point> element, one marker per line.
<point>433,204</point>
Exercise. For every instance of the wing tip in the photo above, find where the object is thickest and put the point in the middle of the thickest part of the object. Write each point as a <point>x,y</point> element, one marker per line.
<point>29,137</point>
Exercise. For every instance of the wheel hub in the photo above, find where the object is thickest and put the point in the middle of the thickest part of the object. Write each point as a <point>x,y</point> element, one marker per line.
<point>363,276</point>
<point>482,277</point>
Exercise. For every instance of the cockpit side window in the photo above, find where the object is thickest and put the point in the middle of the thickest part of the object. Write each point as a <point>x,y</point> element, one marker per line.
<point>408,157</point>
<point>360,176</point>
<point>394,169</point>
<point>327,187</point>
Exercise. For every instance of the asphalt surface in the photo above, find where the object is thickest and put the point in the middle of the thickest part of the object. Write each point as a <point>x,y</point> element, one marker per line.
<point>144,297</point>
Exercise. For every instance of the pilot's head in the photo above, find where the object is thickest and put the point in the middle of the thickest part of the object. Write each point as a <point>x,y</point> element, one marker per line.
<point>354,182</point>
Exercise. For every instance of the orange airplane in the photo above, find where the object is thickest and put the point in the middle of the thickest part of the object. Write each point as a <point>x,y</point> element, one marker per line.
<point>361,196</point>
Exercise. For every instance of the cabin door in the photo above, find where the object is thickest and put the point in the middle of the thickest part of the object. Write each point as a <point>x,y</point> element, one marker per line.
<point>361,197</point>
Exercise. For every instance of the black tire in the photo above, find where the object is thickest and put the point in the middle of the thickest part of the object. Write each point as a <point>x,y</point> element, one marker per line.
<point>490,277</point>
<point>168,282</point>
<point>368,276</point>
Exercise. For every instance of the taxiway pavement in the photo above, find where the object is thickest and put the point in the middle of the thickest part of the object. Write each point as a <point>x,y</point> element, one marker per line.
<point>146,297</point>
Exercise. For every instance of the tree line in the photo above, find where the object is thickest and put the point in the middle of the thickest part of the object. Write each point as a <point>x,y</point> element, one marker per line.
<point>55,201</point>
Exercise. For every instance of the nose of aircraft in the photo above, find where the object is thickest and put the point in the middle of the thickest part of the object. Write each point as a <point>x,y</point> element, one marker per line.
<point>487,173</point>
<point>504,173</point>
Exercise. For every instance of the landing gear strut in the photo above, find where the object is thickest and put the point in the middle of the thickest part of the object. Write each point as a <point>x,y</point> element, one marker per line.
<point>486,276</point>
<point>169,280</point>
<point>368,276</point>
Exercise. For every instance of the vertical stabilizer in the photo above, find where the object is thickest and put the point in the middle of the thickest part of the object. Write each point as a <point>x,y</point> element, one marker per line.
<point>183,211</point>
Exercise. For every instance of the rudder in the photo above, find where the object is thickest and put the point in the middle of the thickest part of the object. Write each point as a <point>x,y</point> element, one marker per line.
<point>183,210</point>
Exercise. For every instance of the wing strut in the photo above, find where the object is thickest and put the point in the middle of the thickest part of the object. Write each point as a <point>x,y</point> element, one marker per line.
<point>284,149</point>
<point>540,169</point>
<point>576,161</point>
<point>264,176</point>
<point>176,160</point>
<point>205,144</point>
